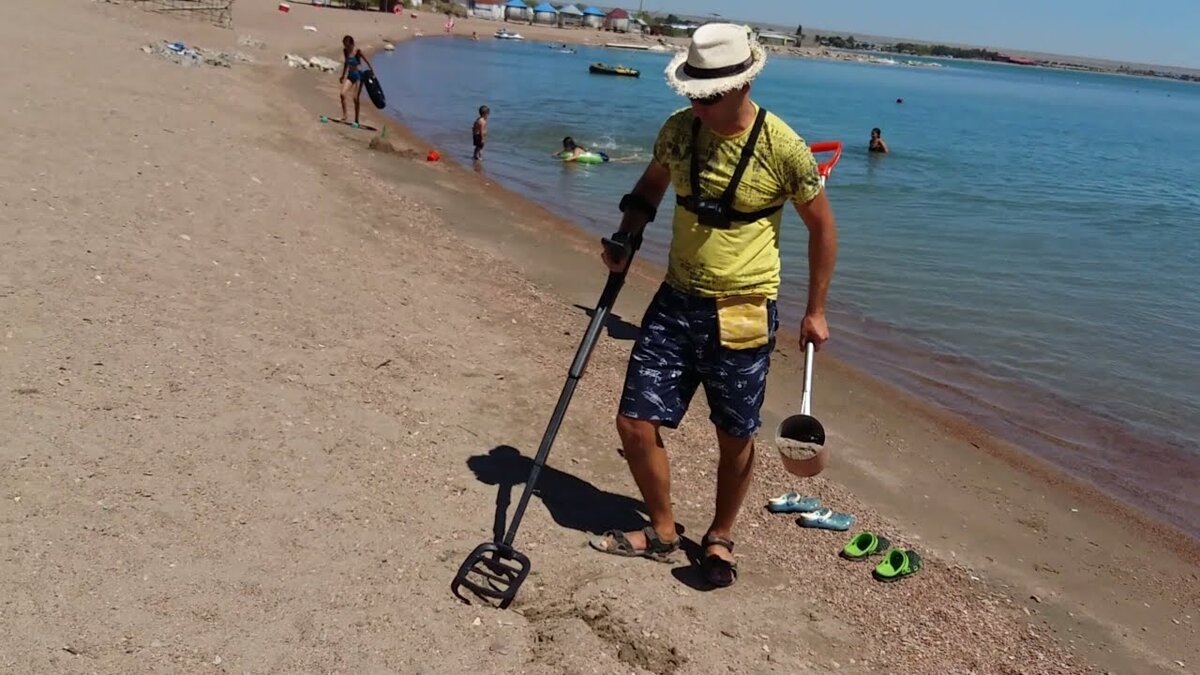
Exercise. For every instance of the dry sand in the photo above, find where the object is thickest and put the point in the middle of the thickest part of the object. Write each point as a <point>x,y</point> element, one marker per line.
<point>263,390</point>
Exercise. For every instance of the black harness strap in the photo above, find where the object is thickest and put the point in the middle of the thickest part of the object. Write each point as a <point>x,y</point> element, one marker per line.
<point>735,181</point>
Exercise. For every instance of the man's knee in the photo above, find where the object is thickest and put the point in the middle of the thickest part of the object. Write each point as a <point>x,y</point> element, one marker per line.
<point>735,445</point>
<point>636,434</point>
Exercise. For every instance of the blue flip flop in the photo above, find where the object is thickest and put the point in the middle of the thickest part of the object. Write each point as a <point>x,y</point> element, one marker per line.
<point>792,502</point>
<point>826,519</point>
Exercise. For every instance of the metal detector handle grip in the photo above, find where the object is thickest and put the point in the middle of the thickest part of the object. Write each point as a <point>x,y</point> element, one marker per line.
<point>806,393</point>
<point>622,245</point>
<point>616,250</point>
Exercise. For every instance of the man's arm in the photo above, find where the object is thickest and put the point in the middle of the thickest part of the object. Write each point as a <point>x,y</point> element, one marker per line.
<point>817,215</point>
<point>651,186</point>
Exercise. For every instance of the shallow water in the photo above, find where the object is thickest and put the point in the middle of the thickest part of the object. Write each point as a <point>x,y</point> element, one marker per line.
<point>1029,254</point>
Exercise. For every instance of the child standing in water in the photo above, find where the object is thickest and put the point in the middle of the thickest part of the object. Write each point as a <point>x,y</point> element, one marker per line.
<point>479,131</point>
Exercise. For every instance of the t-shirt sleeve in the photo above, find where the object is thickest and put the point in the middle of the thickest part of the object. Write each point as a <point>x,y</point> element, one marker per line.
<point>668,146</point>
<point>797,168</point>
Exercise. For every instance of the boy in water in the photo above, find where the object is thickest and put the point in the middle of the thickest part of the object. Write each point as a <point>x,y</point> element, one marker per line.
<point>479,131</point>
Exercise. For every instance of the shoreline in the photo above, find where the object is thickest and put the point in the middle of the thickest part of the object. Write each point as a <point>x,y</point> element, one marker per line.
<point>1084,452</point>
<point>583,36</point>
<point>264,398</point>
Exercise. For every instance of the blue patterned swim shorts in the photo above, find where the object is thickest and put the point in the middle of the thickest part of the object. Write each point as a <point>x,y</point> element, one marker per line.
<point>678,349</point>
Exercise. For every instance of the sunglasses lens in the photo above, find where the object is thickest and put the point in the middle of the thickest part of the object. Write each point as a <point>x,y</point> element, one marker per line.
<point>708,100</point>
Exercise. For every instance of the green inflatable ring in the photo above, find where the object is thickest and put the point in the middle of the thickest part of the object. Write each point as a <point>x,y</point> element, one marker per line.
<point>587,157</point>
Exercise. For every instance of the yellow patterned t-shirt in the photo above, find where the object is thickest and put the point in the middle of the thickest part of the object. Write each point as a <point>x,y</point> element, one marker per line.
<point>743,260</point>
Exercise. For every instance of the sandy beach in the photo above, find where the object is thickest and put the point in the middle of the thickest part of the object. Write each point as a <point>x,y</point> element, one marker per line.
<point>264,388</point>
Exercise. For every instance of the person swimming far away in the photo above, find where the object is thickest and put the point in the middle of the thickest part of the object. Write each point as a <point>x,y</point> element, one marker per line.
<point>574,152</point>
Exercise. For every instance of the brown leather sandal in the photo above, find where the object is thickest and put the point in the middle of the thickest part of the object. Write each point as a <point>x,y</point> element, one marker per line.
<point>718,571</point>
<point>614,542</point>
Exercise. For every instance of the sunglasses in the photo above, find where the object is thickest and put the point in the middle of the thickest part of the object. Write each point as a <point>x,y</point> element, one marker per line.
<point>708,100</point>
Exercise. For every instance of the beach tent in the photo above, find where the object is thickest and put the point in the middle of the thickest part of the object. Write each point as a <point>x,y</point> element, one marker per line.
<point>570,15</point>
<point>546,14</point>
<point>593,18</point>
<point>488,9</point>
<point>617,21</point>
<point>516,9</point>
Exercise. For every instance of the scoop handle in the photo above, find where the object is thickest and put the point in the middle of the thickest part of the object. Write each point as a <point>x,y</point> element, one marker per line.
<point>806,393</point>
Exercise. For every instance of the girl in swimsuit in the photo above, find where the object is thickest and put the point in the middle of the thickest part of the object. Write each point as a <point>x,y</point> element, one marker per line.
<point>352,75</point>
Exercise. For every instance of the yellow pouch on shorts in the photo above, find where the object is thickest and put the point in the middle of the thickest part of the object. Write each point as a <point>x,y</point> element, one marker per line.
<point>743,321</point>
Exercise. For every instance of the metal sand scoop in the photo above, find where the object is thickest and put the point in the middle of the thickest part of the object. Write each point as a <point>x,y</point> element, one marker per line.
<point>495,570</point>
<point>803,429</point>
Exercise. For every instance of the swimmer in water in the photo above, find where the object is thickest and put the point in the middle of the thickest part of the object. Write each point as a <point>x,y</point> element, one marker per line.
<point>572,151</point>
<point>877,144</point>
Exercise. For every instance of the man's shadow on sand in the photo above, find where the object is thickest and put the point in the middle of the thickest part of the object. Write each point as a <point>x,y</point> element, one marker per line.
<point>573,503</point>
<point>618,328</point>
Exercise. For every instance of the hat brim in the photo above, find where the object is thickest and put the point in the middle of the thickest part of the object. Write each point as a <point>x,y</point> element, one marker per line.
<point>692,87</point>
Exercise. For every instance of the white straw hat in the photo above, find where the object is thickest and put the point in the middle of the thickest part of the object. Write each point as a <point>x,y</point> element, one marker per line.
<point>722,57</point>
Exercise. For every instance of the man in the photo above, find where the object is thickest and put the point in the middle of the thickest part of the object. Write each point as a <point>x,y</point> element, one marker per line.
<point>734,167</point>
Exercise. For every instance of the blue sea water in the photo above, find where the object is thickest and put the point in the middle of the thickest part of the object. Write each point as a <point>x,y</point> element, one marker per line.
<point>1028,255</point>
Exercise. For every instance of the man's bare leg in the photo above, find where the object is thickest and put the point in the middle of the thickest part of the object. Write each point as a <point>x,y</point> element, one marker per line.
<point>647,459</point>
<point>734,471</point>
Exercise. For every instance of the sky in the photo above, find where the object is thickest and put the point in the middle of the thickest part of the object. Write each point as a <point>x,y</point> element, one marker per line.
<point>1165,32</point>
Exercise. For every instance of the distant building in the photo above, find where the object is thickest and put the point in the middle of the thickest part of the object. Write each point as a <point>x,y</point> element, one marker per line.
<point>1016,60</point>
<point>617,21</point>
<point>570,16</point>
<point>593,17</point>
<point>516,10</point>
<point>493,10</point>
<point>778,39</point>
<point>546,14</point>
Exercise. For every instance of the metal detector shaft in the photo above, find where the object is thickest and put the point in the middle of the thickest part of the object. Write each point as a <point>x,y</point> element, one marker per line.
<point>599,317</point>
